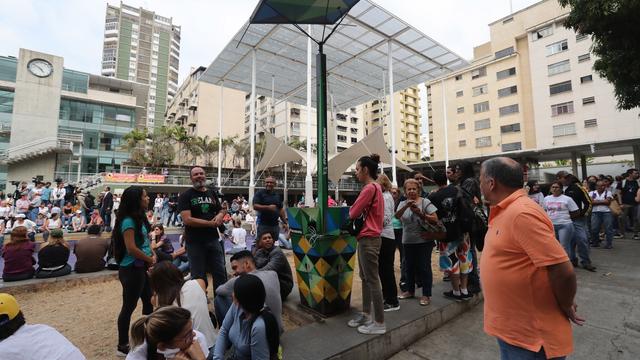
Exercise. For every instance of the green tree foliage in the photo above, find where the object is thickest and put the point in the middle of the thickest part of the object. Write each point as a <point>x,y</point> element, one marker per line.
<point>613,26</point>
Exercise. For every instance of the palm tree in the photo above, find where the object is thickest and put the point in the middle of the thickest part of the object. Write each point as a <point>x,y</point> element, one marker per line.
<point>208,147</point>
<point>180,136</point>
<point>135,145</point>
<point>227,144</point>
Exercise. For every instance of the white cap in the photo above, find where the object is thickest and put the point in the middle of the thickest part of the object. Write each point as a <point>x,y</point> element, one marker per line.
<point>20,216</point>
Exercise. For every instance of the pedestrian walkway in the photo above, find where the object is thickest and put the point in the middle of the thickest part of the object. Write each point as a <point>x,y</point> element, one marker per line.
<point>608,299</point>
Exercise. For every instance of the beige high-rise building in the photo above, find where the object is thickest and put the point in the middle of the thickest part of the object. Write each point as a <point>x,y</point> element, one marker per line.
<point>407,122</point>
<point>142,46</point>
<point>530,89</point>
<point>196,107</point>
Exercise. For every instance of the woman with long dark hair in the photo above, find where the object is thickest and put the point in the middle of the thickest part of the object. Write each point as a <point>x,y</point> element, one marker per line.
<point>170,288</point>
<point>370,202</point>
<point>167,334</point>
<point>130,241</point>
<point>535,193</point>
<point>248,329</point>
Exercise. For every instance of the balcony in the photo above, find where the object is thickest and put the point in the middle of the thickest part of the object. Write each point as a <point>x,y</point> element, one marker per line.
<point>193,106</point>
<point>62,144</point>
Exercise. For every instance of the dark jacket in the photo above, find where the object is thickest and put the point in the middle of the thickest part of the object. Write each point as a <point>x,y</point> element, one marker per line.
<point>276,260</point>
<point>107,201</point>
<point>581,197</point>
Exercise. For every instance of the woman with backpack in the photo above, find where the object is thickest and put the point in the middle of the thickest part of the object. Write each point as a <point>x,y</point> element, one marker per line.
<point>249,331</point>
<point>370,204</point>
<point>133,253</point>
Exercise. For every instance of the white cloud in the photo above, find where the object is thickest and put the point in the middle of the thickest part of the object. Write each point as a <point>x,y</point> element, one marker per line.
<point>73,29</point>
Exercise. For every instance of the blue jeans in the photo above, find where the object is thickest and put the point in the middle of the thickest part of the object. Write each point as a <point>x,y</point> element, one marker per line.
<point>564,234</point>
<point>221,305</point>
<point>182,263</point>
<point>581,241</point>
<point>510,352</point>
<point>284,243</point>
<point>601,219</point>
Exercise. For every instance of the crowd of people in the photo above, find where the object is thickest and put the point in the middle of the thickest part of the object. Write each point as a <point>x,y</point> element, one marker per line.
<point>533,234</point>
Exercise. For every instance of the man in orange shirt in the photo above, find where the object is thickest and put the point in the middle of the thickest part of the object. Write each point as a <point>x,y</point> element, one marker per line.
<point>528,281</point>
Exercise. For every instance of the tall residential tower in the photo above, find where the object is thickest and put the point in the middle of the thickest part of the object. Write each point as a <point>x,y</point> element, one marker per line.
<point>144,47</point>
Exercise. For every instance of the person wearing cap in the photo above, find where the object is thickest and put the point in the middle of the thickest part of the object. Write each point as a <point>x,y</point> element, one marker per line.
<point>20,341</point>
<point>21,220</point>
<point>77,222</point>
<point>54,256</point>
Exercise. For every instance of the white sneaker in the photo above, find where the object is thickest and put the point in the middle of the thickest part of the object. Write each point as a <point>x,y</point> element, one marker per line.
<point>372,328</point>
<point>360,319</point>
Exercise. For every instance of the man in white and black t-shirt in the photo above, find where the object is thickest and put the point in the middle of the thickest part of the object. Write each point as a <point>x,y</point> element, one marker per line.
<point>202,214</point>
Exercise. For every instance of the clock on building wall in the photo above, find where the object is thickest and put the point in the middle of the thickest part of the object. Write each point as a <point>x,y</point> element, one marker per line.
<point>40,67</point>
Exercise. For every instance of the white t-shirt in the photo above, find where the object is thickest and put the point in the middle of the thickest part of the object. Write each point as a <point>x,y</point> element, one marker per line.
<point>140,352</point>
<point>595,196</point>
<point>194,299</point>
<point>158,202</point>
<point>54,224</point>
<point>35,342</point>
<point>239,236</point>
<point>558,208</point>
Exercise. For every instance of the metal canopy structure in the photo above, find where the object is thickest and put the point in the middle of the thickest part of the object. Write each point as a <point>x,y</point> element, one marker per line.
<point>356,58</point>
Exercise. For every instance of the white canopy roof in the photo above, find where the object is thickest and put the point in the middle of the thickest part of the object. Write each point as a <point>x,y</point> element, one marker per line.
<point>356,58</point>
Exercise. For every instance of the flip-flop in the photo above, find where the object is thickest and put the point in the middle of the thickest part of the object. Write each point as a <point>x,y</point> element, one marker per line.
<point>424,301</point>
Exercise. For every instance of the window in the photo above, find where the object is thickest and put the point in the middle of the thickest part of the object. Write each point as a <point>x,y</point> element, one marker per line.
<point>558,47</point>
<point>512,146</point>
<point>507,20</point>
<point>479,72</point>
<point>510,128</point>
<point>590,123</point>
<point>542,33</point>
<point>461,126</point>
<point>482,124</point>
<point>462,143</point>
<point>460,110</point>
<point>342,138</point>
<point>6,101</point>
<point>75,81</point>
<point>506,73</point>
<point>354,140</point>
<point>580,37</point>
<point>584,57</point>
<point>507,91</point>
<point>560,87</point>
<point>588,100</point>
<point>459,93</point>
<point>480,90</point>
<point>508,110</point>
<point>481,107</point>
<point>563,108</point>
<point>484,141</point>
<point>342,128</point>
<point>504,52</point>
<point>586,79</point>
<point>559,67</point>
<point>564,129</point>
<point>458,77</point>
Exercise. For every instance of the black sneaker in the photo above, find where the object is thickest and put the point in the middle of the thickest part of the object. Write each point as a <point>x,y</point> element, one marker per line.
<point>389,307</point>
<point>589,267</point>
<point>122,350</point>
<point>450,295</point>
<point>467,296</point>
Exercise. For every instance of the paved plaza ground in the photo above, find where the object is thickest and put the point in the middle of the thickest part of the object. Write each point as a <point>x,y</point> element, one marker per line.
<point>608,298</point>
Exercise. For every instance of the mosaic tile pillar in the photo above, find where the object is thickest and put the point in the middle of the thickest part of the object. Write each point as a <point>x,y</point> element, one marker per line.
<point>324,262</point>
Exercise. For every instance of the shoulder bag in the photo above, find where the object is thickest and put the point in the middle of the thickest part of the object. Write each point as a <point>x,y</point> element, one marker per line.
<point>354,226</point>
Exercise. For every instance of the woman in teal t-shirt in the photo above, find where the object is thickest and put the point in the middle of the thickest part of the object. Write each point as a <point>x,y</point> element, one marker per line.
<point>133,252</point>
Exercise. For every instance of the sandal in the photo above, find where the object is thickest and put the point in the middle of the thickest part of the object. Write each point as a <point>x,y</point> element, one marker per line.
<point>405,295</point>
<point>424,301</point>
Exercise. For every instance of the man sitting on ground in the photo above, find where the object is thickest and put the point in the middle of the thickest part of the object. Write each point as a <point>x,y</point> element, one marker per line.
<point>19,341</point>
<point>91,251</point>
<point>244,263</point>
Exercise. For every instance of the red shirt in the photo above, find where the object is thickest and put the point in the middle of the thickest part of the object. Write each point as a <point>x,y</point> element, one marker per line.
<point>373,207</point>
<point>18,259</point>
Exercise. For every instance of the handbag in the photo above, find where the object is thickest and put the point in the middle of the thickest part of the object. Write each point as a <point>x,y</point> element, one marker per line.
<point>614,205</point>
<point>354,226</point>
<point>433,231</point>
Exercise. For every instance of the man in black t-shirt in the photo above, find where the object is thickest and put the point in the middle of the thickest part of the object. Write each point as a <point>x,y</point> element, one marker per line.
<point>268,204</point>
<point>202,214</point>
<point>627,190</point>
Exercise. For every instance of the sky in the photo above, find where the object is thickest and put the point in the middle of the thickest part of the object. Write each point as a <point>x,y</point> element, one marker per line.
<point>74,29</point>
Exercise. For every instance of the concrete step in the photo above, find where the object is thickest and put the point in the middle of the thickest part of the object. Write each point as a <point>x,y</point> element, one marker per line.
<point>332,339</point>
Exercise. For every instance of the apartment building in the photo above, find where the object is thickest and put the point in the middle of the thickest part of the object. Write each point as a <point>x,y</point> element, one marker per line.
<point>531,88</point>
<point>61,123</point>
<point>196,107</point>
<point>142,46</point>
<point>407,122</point>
